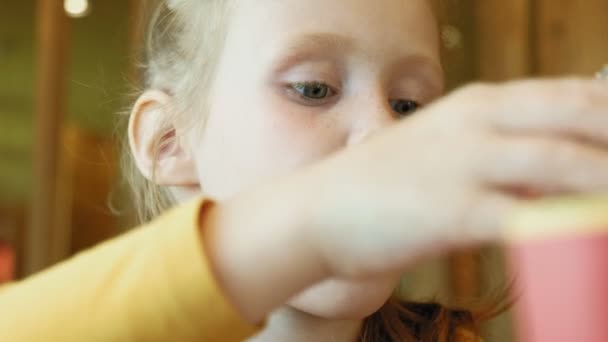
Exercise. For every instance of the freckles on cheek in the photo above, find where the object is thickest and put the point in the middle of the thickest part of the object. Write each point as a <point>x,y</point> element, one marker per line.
<point>302,142</point>
<point>298,128</point>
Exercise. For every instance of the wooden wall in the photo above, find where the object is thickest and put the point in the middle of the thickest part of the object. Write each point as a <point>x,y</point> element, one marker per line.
<point>93,84</point>
<point>503,40</point>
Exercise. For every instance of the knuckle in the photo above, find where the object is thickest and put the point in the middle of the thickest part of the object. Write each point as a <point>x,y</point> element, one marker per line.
<point>573,94</point>
<point>478,96</point>
<point>477,90</point>
<point>557,153</point>
<point>576,94</point>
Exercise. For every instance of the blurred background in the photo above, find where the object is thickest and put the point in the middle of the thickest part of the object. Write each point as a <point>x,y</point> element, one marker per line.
<point>68,74</point>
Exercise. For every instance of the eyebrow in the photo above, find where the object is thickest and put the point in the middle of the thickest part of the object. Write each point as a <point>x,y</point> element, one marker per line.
<point>312,45</point>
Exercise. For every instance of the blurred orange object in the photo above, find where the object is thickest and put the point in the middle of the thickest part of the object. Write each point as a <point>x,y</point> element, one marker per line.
<point>559,257</point>
<point>7,263</point>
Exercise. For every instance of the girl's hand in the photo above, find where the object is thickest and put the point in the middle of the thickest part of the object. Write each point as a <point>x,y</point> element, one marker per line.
<point>449,175</point>
<point>446,177</point>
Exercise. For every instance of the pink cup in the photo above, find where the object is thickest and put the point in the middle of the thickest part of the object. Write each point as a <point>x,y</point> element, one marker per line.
<point>558,254</point>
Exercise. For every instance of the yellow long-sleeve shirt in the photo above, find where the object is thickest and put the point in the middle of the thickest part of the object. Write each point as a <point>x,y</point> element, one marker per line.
<point>152,284</point>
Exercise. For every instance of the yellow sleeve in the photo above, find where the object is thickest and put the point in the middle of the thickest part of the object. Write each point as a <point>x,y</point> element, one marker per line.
<point>152,284</point>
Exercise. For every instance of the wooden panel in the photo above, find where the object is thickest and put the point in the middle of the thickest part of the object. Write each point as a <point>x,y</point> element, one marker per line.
<point>50,106</point>
<point>503,31</point>
<point>465,274</point>
<point>572,36</point>
<point>459,42</point>
<point>92,162</point>
<point>137,26</point>
<point>12,229</point>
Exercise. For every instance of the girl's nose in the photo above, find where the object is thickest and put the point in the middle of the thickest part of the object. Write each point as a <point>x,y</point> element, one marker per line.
<point>370,119</point>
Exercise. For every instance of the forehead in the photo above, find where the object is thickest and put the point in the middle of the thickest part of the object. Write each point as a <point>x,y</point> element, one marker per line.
<point>380,26</point>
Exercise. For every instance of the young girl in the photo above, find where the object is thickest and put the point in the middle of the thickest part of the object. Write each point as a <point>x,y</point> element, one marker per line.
<point>307,175</point>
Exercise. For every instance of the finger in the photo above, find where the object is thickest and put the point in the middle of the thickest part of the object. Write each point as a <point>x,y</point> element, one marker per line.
<point>485,220</point>
<point>546,165</point>
<point>560,107</point>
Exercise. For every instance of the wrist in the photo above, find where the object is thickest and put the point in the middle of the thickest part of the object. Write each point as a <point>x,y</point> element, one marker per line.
<point>260,247</point>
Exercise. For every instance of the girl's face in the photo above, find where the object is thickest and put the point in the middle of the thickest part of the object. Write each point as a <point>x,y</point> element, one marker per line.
<point>300,80</point>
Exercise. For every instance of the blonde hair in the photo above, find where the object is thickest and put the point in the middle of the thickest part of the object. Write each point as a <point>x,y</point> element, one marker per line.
<point>184,43</point>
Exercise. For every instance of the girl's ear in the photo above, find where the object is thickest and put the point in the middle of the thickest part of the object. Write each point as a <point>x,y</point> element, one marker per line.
<point>158,150</point>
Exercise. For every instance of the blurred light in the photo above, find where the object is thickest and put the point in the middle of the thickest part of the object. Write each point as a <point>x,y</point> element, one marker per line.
<point>76,8</point>
<point>451,37</point>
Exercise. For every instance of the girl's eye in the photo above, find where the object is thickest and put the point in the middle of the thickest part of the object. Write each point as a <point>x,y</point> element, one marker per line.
<point>404,107</point>
<point>313,90</point>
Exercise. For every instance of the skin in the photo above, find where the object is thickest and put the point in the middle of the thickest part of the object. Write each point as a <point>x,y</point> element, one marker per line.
<point>260,128</point>
<point>280,131</point>
<point>350,189</point>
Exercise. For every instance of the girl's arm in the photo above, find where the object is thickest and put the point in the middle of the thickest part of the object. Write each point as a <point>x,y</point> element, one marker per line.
<point>151,284</point>
<point>445,178</point>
